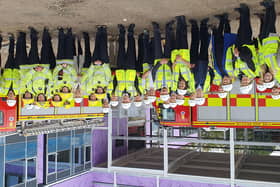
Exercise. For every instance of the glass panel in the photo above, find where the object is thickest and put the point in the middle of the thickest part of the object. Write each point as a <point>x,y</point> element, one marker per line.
<point>14,172</point>
<point>88,139</point>
<point>77,152</point>
<point>78,140</point>
<point>63,142</point>
<point>1,119</point>
<point>15,151</point>
<point>168,114</point>
<point>51,163</point>
<point>31,148</point>
<point>51,145</point>
<point>63,160</point>
<point>88,149</point>
<point>31,168</point>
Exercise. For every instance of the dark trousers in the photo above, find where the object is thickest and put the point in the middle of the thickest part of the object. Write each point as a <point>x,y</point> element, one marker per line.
<point>169,40</point>
<point>268,22</point>
<point>157,44</point>
<point>244,34</point>
<point>87,61</point>
<point>218,47</point>
<point>201,64</point>
<point>126,60</point>
<point>139,62</point>
<point>101,46</point>
<point>181,33</point>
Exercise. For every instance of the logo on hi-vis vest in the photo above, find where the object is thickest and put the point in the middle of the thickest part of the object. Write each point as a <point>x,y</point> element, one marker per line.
<point>11,118</point>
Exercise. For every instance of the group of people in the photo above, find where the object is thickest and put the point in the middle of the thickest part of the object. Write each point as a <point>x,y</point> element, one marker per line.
<point>165,68</point>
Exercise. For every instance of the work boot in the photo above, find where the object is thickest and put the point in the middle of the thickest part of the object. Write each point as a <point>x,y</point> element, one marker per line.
<point>155,25</point>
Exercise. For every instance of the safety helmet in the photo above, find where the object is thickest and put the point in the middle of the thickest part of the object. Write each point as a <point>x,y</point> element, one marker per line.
<point>181,92</point>
<point>105,110</point>
<point>100,96</point>
<point>57,103</point>
<point>275,97</point>
<point>246,89</point>
<point>78,100</point>
<point>180,101</point>
<point>146,101</point>
<point>114,103</point>
<point>29,106</point>
<point>227,87</point>
<point>96,103</point>
<point>166,105</point>
<point>261,87</point>
<point>27,101</point>
<point>269,84</point>
<point>200,100</point>
<point>192,102</point>
<point>222,94</point>
<point>138,103</point>
<point>126,105</point>
<point>65,96</point>
<point>11,103</point>
<point>164,97</point>
<point>152,98</point>
<point>173,105</point>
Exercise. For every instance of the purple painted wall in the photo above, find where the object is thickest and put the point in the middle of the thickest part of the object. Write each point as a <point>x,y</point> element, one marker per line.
<point>99,146</point>
<point>100,142</point>
<point>88,180</point>
<point>40,158</point>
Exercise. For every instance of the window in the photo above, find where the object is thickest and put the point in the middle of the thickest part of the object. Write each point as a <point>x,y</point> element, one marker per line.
<point>68,153</point>
<point>1,118</point>
<point>168,114</point>
<point>18,161</point>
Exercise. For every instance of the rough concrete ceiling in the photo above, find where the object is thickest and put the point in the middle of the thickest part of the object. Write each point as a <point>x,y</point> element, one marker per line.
<point>85,14</point>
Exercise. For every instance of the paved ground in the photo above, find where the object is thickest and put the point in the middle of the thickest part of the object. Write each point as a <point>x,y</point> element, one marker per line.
<point>84,15</point>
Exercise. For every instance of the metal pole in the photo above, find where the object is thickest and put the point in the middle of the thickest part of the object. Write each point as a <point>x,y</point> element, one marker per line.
<point>115,179</point>
<point>165,152</point>
<point>110,147</point>
<point>232,161</point>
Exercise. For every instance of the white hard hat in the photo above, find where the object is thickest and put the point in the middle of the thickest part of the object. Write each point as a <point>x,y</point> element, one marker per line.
<point>173,105</point>
<point>138,104</point>
<point>200,100</point>
<point>164,97</point>
<point>181,92</point>
<point>78,100</point>
<point>227,87</point>
<point>192,102</point>
<point>275,97</point>
<point>152,98</point>
<point>246,89</point>
<point>11,103</point>
<point>166,105</point>
<point>105,110</point>
<point>36,107</point>
<point>114,103</point>
<point>180,101</point>
<point>261,87</point>
<point>29,107</point>
<point>222,94</point>
<point>269,84</point>
<point>126,105</point>
<point>147,101</point>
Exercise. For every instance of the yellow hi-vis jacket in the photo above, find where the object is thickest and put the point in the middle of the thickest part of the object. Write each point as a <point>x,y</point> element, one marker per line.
<point>125,82</point>
<point>68,79</point>
<point>10,77</point>
<point>39,82</point>
<point>96,76</point>
<point>161,72</point>
<point>243,67</point>
<point>268,52</point>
